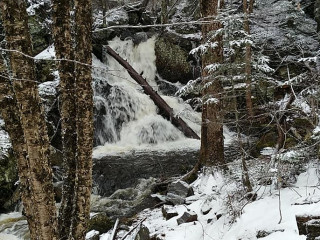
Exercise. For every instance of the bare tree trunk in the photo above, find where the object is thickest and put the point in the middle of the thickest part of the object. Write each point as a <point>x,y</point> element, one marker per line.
<point>64,50</point>
<point>10,114</point>
<point>84,119</point>
<point>32,117</point>
<point>164,11</point>
<point>211,151</point>
<point>246,10</point>
<point>104,12</point>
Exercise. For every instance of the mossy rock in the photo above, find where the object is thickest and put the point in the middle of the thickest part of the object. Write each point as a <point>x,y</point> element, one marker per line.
<point>267,140</point>
<point>172,62</point>
<point>100,222</point>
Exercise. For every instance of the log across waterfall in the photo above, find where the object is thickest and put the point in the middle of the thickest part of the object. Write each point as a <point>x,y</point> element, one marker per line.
<point>165,109</point>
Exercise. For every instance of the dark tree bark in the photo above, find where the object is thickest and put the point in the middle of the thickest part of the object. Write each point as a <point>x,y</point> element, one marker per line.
<point>84,118</point>
<point>211,151</point>
<point>165,109</point>
<point>10,114</point>
<point>15,22</point>
<point>64,50</point>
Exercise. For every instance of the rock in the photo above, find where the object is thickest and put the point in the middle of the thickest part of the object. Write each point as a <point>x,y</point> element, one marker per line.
<point>309,226</point>
<point>175,199</point>
<point>181,189</point>
<point>168,214</point>
<point>143,234</point>
<point>187,217</point>
<point>122,171</point>
<point>121,204</point>
<point>313,229</point>
<point>139,37</point>
<point>172,59</point>
<point>100,222</point>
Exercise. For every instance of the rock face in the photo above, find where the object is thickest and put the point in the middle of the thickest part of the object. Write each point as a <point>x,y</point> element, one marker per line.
<point>117,172</point>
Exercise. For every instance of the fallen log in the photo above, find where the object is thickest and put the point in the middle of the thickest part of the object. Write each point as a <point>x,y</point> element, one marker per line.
<point>165,110</point>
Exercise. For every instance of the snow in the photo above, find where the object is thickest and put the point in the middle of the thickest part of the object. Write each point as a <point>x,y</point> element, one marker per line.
<point>47,54</point>
<point>5,143</point>
<point>260,216</point>
<point>7,237</point>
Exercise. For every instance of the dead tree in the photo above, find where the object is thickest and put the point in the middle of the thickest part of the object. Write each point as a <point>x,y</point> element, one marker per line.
<point>165,109</point>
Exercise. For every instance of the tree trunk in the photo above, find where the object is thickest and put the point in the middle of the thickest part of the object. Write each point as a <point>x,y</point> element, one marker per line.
<point>165,109</point>
<point>246,10</point>
<point>211,151</point>
<point>15,22</point>
<point>84,118</point>
<point>10,115</point>
<point>164,11</point>
<point>63,47</point>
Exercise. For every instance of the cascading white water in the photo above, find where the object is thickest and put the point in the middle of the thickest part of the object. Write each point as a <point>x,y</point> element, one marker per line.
<point>126,118</point>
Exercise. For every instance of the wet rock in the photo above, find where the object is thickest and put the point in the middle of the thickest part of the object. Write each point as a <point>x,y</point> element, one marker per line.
<point>122,171</point>
<point>126,202</point>
<point>187,217</point>
<point>143,234</point>
<point>140,37</point>
<point>168,213</point>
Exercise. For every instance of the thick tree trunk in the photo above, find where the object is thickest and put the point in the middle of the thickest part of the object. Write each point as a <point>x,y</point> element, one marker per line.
<point>246,10</point>
<point>63,47</point>
<point>211,151</point>
<point>10,114</point>
<point>165,109</point>
<point>32,117</point>
<point>84,118</point>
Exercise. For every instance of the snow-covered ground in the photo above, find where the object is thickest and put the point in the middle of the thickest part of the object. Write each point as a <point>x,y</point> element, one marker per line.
<point>223,222</point>
<point>260,215</point>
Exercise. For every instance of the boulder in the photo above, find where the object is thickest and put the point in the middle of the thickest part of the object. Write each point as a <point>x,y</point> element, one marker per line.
<point>187,217</point>
<point>168,213</point>
<point>172,59</point>
<point>181,189</point>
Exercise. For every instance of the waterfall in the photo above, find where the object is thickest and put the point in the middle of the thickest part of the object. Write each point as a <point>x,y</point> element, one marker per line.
<point>125,117</point>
